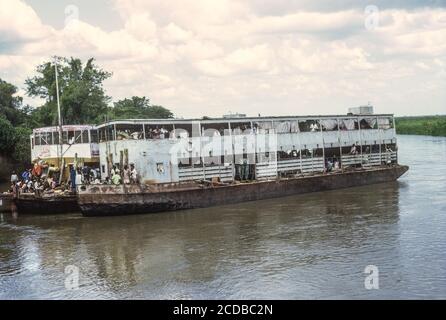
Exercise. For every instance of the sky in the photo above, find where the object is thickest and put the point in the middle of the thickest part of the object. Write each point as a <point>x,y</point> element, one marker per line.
<point>269,57</point>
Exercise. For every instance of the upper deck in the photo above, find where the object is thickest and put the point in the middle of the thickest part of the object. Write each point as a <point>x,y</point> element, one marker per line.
<point>137,129</point>
<point>77,140</point>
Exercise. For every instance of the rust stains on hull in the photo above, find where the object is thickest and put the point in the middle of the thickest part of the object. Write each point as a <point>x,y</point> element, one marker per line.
<point>136,199</point>
<point>47,205</point>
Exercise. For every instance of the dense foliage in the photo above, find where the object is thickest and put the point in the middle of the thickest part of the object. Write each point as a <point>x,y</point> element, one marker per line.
<point>82,98</point>
<point>138,108</point>
<point>427,125</point>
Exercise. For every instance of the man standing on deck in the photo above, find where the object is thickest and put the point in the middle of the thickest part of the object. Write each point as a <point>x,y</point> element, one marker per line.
<point>14,178</point>
<point>73,178</point>
<point>116,179</point>
<point>133,174</point>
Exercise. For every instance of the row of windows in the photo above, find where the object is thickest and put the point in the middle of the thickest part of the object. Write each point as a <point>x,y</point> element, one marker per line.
<point>145,131</point>
<point>68,137</point>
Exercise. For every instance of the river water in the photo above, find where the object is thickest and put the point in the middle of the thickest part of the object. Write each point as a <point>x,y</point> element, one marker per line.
<point>313,246</point>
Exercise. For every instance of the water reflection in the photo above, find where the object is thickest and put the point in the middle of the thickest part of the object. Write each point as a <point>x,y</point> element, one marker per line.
<point>308,246</point>
<point>266,239</point>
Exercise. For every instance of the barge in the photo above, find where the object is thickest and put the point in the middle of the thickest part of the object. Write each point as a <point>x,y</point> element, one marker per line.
<point>103,200</point>
<point>185,164</point>
<point>57,148</point>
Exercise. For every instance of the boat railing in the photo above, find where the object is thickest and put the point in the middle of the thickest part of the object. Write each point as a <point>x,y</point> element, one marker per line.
<point>225,173</point>
<point>369,159</point>
<point>270,170</point>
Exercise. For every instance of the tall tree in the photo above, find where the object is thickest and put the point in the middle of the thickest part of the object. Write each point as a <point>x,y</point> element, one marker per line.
<point>11,107</point>
<point>82,96</point>
<point>14,118</point>
<point>138,108</point>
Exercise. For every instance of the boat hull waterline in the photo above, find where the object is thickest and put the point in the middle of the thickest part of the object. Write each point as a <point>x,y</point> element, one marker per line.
<point>47,205</point>
<point>104,200</point>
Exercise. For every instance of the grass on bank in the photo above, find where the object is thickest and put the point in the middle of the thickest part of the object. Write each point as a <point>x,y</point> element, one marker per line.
<point>422,125</point>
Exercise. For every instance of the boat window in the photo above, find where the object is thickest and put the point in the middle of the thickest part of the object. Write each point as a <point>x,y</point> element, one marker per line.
<point>368,123</point>
<point>65,137</point>
<point>44,138</point>
<point>309,125</point>
<point>56,137</point>
<point>129,131</point>
<point>214,129</point>
<point>385,123</point>
<point>37,139</point>
<point>348,124</point>
<point>110,132</point>
<point>77,136</point>
<point>282,126</point>
<point>329,124</point>
<point>182,130</point>
<point>241,128</point>
<point>160,167</point>
<point>102,134</point>
<point>85,138</point>
<point>262,127</point>
<point>94,136</point>
<point>70,135</point>
<point>158,131</point>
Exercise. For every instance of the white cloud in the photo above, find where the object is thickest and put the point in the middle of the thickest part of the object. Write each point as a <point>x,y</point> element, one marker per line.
<point>207,57</point>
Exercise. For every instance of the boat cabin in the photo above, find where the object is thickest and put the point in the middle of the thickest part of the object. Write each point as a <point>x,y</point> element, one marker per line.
<point>79,145</point>
<point>246,148</point>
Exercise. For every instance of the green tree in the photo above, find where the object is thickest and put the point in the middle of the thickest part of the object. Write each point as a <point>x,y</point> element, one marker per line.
<point>11,105</point>
<point>21,152</point>
<point>138,108</point>
<point>7,135</point>
<point>82,96</point>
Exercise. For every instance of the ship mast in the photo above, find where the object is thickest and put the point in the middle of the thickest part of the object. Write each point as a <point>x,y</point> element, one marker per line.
<point>60,124</point>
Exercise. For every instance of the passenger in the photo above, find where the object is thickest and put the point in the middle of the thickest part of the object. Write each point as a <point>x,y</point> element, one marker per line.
<point>133,174</point>
<point>353,150</point>
<point>72,178</point>
<point>329,166</point>
<point>14,177</point>
<point>25,175</point>
<point>135,135</point>
<point>37,170</point>
<point>78,177</point>
<point>114,170</point>
<point>86,174</point>
<point>126,175</point>
<point>116,179</point>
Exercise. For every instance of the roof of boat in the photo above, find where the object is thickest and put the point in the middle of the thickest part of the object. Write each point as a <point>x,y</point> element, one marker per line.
<point>238,120</point>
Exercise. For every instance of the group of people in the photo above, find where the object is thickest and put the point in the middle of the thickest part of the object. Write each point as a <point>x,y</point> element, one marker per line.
<point>151,133</point>
<point>83,176</point>
<point>332,164</point>
<point>38,179</point>
<point>129,175</point>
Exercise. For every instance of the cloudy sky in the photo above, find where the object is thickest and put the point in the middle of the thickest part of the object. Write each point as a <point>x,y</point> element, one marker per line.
<point>273,57</point>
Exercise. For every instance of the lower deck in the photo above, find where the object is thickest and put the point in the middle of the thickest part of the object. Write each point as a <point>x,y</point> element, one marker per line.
<point>100,200</point>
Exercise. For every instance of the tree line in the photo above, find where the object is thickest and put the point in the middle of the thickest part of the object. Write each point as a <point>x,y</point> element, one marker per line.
<point>82,97</point>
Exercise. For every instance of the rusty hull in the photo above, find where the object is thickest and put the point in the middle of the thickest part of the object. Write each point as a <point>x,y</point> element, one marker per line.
<point>103,200</point>
<point>31,204</point>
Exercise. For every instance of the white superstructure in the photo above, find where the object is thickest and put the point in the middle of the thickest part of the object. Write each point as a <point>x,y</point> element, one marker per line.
<point>172,150</point>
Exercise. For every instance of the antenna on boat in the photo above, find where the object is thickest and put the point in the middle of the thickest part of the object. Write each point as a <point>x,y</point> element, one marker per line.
<point>60,123</point>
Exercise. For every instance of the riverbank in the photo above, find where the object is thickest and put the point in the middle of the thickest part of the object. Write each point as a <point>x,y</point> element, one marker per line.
<point>422,125</point>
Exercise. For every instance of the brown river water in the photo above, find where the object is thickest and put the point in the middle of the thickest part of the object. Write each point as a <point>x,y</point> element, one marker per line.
<point>312,246</point>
